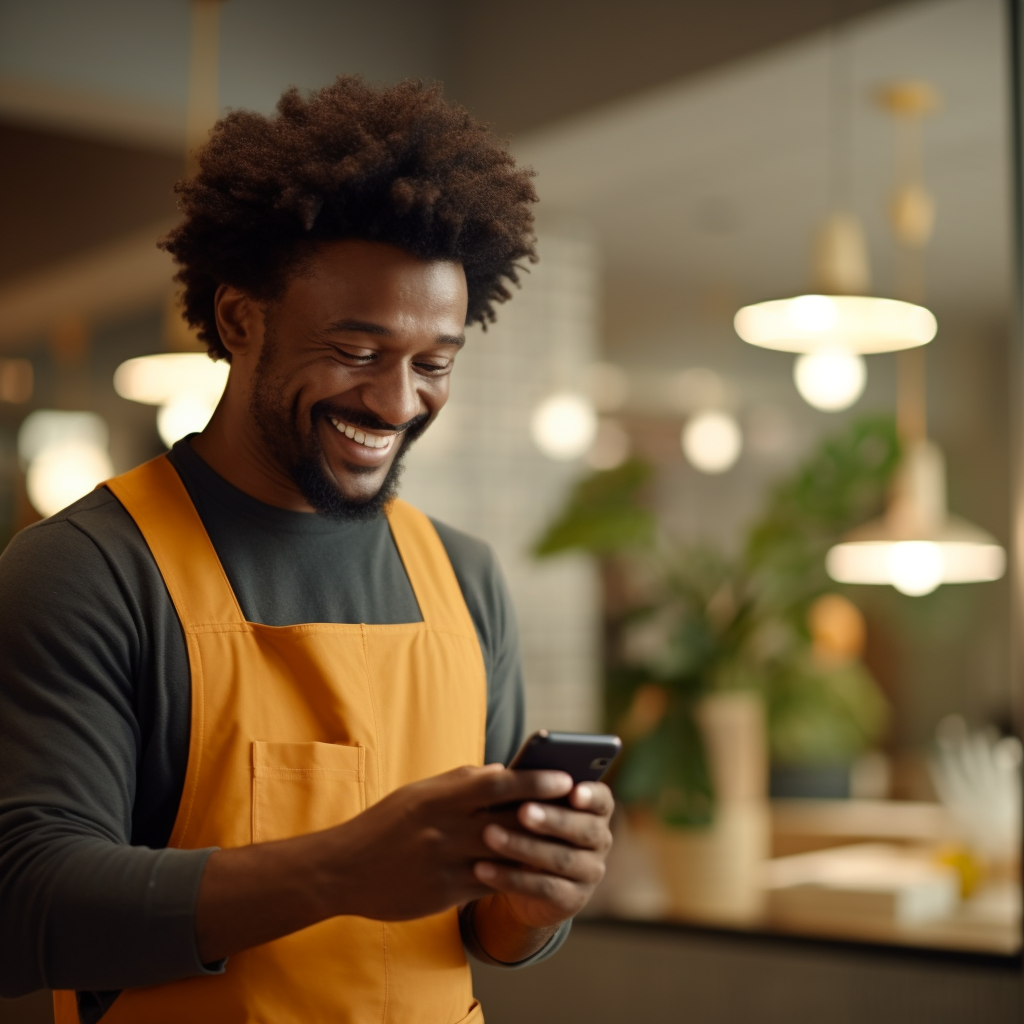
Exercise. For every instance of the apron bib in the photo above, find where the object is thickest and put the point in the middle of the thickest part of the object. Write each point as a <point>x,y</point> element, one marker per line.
<point>298,728</point>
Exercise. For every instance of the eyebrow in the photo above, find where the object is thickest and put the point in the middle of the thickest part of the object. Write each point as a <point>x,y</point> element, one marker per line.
<point>366,327</point>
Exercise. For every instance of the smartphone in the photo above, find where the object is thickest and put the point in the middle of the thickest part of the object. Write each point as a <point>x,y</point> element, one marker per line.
<point>585,756</point>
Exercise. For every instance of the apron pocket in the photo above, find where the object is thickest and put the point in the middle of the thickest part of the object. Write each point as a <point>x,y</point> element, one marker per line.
<point>304,787</point>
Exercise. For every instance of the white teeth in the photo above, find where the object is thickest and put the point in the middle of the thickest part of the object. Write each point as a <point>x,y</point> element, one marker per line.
<point>369,440</point>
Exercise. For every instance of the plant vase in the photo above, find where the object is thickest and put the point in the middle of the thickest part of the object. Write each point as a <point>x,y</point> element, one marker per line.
<point>714,874</point>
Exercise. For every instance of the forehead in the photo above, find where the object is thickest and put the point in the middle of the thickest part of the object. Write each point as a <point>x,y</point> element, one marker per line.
<point>354,278</point>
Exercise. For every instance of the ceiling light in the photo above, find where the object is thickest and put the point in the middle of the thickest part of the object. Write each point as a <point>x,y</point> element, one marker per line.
<point>183,415</point>
<point>830,380</point>
<point>186,385</point>
<point>857,323</point>
<point>712,442</point>
<point>157,379</point>
<point>564,425</point>
<point>65,455</point>
<point>917,546</point>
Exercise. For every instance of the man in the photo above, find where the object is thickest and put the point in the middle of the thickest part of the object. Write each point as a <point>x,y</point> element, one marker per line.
<point>248,696</point>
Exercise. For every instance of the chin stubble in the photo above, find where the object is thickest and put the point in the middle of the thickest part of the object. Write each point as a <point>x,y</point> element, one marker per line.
<point>306,465</point>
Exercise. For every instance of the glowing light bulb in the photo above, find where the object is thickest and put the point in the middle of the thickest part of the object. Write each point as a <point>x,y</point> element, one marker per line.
<point>564,425</point>
<point>712,442</point>
<point>61,474</point>
<point>65,454</point>
<point>830,380</point>
<point>915,566</point>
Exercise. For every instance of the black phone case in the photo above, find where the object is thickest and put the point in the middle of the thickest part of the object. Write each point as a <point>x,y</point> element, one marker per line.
<point>585,756</point>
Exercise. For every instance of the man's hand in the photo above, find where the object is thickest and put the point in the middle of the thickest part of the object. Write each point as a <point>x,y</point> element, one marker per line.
<point>559,854</point>
<point>418,850</point>
<point>411,854</point>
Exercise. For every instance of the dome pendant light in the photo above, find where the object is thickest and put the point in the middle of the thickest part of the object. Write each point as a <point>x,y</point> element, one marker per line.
<point>917,545</point>
<point>840,317</point>
<point>835,326</point>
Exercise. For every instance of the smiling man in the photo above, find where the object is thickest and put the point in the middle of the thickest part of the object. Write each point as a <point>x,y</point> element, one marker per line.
<point>254,709</point>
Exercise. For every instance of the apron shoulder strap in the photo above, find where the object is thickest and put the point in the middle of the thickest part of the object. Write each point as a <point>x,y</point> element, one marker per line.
<point>156,499</point>
<point>430,571</point>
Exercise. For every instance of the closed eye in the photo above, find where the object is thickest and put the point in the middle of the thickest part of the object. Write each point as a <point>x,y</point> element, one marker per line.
<point>434,369</point>
<point>358,357</point>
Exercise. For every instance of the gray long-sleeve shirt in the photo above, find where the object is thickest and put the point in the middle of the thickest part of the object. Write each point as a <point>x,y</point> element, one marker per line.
<point>95,709</point>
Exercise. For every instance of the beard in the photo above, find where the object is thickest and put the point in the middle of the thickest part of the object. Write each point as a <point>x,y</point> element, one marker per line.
<point>303,458</point>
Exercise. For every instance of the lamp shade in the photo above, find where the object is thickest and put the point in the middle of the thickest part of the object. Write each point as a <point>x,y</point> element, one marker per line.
<point>855,323</point>
<point>917,546</point>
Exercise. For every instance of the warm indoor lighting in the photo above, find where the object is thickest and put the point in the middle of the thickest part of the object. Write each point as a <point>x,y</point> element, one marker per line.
<point>183,415</point>
<point>917,545</point>
<point>157,379</point>
<point>712,442</point>
<point>186,385</point>
<point>65,454</point>
<point>564,425</point>
<point>831,379</point>
<point>857,323</point>
<point>916,567</point>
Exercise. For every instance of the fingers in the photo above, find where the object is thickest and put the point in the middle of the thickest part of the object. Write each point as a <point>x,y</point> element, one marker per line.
<point>578,828</point>
<point>570,862</point>
<point>594,797</point>
<point>495,785</point>
<point>560,894</point>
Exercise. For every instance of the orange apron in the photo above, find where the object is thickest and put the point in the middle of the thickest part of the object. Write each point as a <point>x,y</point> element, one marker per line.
<point>297,728</point>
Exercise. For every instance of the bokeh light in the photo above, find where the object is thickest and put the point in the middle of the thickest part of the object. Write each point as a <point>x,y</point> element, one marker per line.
<point>830,380</point>
<point>712,442</point>
<point>564,425</point>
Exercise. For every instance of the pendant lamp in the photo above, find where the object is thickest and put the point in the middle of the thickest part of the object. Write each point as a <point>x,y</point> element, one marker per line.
<point>834,326</point>
<point>916,545</point>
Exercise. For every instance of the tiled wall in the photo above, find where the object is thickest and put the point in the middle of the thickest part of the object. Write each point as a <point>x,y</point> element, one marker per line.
<point>477,469</point>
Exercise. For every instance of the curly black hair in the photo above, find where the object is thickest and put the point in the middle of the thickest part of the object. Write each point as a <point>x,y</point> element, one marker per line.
<point>398,165</point>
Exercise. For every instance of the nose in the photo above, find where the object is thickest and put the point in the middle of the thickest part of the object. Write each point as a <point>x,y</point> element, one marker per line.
<point>392,394</point>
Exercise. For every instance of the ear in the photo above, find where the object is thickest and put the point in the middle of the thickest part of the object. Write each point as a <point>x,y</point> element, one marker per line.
<point>239,321</point>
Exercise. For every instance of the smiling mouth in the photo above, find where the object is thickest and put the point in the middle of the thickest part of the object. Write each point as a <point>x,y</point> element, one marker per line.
<point>363,437</point>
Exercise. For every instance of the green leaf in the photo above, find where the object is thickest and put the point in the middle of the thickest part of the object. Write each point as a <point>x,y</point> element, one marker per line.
<point>668,771</point>
<point>602,514</point>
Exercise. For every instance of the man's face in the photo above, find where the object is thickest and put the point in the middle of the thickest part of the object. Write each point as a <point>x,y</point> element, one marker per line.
<point>354,365</point>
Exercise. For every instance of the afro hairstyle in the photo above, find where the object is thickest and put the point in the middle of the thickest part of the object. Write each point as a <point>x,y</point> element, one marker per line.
<point>396,165</point>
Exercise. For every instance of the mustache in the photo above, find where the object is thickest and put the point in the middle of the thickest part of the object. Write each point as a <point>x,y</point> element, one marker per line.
<point>361,418</point>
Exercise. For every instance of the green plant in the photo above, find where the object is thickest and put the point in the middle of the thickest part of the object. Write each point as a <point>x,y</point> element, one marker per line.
<point>683,621</point>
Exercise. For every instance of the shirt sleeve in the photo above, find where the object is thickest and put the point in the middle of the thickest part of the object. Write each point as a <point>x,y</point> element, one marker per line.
<point>82,908</point>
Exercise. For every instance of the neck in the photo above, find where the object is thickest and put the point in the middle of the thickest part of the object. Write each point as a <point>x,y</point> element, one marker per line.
<point>232,447</point>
